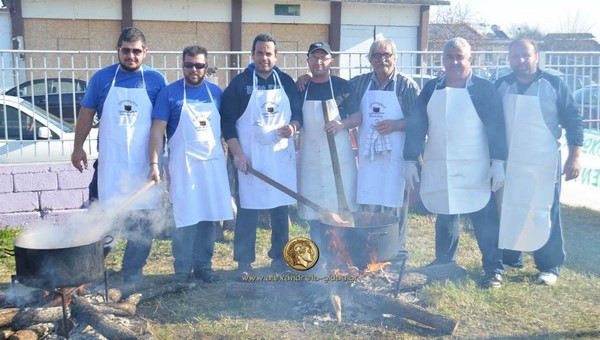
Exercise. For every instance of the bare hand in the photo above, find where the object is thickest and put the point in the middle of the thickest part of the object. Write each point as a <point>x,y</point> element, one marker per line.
<point>302,81</point>
<point>334,126</point>
<point>241,163</point>
<point>286,131</point>
<point>385,127</point>
<point>571,168</point>
<point>79,159</point>
<point>154,174</point>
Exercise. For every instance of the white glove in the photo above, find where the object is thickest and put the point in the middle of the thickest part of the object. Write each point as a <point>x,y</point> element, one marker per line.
<point>497,170</point>
<point>411,174</point>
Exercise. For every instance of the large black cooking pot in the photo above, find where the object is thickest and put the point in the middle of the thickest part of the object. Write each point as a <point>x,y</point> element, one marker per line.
<point>48,265</point>
<point>375,238</point>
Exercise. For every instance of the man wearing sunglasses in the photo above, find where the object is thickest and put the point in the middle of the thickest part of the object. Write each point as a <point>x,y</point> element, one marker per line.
<point>122,95</point>
<point>188,109</point>
<point>261,111</point>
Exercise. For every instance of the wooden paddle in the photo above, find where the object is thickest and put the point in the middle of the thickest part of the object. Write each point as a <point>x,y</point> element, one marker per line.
<point>327,217</point>
<point>343,208</point>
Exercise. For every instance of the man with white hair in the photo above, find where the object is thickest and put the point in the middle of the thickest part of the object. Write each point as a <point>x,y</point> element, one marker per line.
<point>461,116</point>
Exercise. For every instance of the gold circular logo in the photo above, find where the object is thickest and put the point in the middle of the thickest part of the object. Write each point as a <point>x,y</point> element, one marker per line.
<point>301,253</point>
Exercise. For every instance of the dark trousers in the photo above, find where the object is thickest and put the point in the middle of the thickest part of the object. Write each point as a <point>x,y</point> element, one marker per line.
<point>486,226</point>
<point>193,247</point>
<point>136,229</point>
<point>244,239</point>
<point>551,256</point>
<point>139,242</point>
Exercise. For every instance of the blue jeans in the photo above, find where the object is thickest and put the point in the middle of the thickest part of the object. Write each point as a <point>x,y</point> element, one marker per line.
<point>193,247</point>
<point>551,256</point>
<point>486,226</point>
<point>139,242</point>
<point>244,238</point>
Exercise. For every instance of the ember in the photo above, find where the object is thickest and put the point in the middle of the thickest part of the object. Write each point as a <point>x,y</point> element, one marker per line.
<point>374,267</point>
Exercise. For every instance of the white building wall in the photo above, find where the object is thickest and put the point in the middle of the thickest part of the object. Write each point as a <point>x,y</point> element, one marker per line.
<point>380,14</point>
<point>311,12</point>
<point>73,9</point>
<point>253,11</point>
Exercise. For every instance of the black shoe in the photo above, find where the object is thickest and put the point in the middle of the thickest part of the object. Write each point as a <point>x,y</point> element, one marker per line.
<point>133,277</point>
<point>182,278</point>
<point>206,275</point>
<point>493,281</point>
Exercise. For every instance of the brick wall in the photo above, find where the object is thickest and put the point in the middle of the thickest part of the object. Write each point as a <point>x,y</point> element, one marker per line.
<point>45,191</point>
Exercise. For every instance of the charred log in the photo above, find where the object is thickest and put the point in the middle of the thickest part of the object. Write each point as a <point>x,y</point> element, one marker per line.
<point>7,315</point>
<point>85,312</point>
<point>405,310</point>
<point>32,316</point>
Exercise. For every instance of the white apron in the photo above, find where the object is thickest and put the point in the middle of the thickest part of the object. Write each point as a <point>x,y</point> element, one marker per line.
<point>381,174</point>
<point>123,157</point>
<point>531,166</point>
<point>199,187</point>
<point>268,153</point>
<point>316,181</point>
<point>455,178</point>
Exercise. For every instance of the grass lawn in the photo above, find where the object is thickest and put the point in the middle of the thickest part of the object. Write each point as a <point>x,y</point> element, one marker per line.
<point>521,309</point>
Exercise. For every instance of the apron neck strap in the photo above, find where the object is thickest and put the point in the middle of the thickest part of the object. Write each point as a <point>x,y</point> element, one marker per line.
<point>255,79</point>
<point>207,90</point>
<point>330,87</point>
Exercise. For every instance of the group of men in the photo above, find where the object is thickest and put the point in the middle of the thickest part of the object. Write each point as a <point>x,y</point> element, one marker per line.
<point>457,124</point>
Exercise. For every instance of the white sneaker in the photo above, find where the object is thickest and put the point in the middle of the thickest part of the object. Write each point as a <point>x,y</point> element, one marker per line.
<point>547,278</point>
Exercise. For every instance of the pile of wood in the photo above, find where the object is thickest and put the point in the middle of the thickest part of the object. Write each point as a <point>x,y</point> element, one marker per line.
<point>89,316</point>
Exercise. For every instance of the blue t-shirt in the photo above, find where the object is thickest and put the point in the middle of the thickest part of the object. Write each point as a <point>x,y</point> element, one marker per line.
<point>101,81</point>
<point>170,100</point>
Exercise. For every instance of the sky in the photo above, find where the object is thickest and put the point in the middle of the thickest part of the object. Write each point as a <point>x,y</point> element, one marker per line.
<point>550,16</point>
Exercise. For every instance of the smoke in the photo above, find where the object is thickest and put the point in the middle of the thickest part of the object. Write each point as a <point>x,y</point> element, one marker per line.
<point>115,219</point>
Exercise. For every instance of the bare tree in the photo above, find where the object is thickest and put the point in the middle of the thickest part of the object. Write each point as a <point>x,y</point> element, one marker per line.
<point>525,31</point>
<point>456,14</point>
<point>575,23</point>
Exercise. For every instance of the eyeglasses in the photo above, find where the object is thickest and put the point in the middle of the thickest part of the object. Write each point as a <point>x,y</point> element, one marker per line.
<point>379,55</point>
<point>126,50</point>
<point>198,66</point>
<point>317,59</point>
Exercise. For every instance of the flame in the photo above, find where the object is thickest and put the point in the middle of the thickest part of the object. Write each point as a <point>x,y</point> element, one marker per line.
<point>338,247</point>
<point>373,267</point>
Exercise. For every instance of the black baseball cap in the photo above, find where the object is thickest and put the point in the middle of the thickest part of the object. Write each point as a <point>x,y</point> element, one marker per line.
<point>319,46</point>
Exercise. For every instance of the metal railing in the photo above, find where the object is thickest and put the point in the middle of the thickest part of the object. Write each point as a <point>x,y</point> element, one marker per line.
<point>581,71</point>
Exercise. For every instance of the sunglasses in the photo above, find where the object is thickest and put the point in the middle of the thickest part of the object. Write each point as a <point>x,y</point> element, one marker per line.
<point>198,66</point>
<point>380,55</point>
<point>127,50</point>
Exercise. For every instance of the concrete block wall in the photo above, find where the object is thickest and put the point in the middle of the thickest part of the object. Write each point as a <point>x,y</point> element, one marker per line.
<point>41,191</point>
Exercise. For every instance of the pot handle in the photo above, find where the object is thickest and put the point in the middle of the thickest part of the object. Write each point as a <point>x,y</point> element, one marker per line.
<point>9,252</point>
<point>108,240</point>
<point>381,233</point>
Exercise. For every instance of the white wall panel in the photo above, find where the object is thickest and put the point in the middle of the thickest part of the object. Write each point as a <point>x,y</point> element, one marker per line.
<point>311,12</point>
<point>182,10</point>
<point>72,9</point>
<point>380,14</point>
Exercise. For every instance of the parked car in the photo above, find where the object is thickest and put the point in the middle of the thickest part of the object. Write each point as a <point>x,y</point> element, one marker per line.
<point>28,133</point>
<point>587,99</point>
<point>59,96</point>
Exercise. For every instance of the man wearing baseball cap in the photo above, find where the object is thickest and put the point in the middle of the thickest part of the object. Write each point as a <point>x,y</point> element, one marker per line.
<point>316,180</point>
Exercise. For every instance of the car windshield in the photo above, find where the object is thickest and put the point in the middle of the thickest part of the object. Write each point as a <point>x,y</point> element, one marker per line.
<point>47,117</point>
